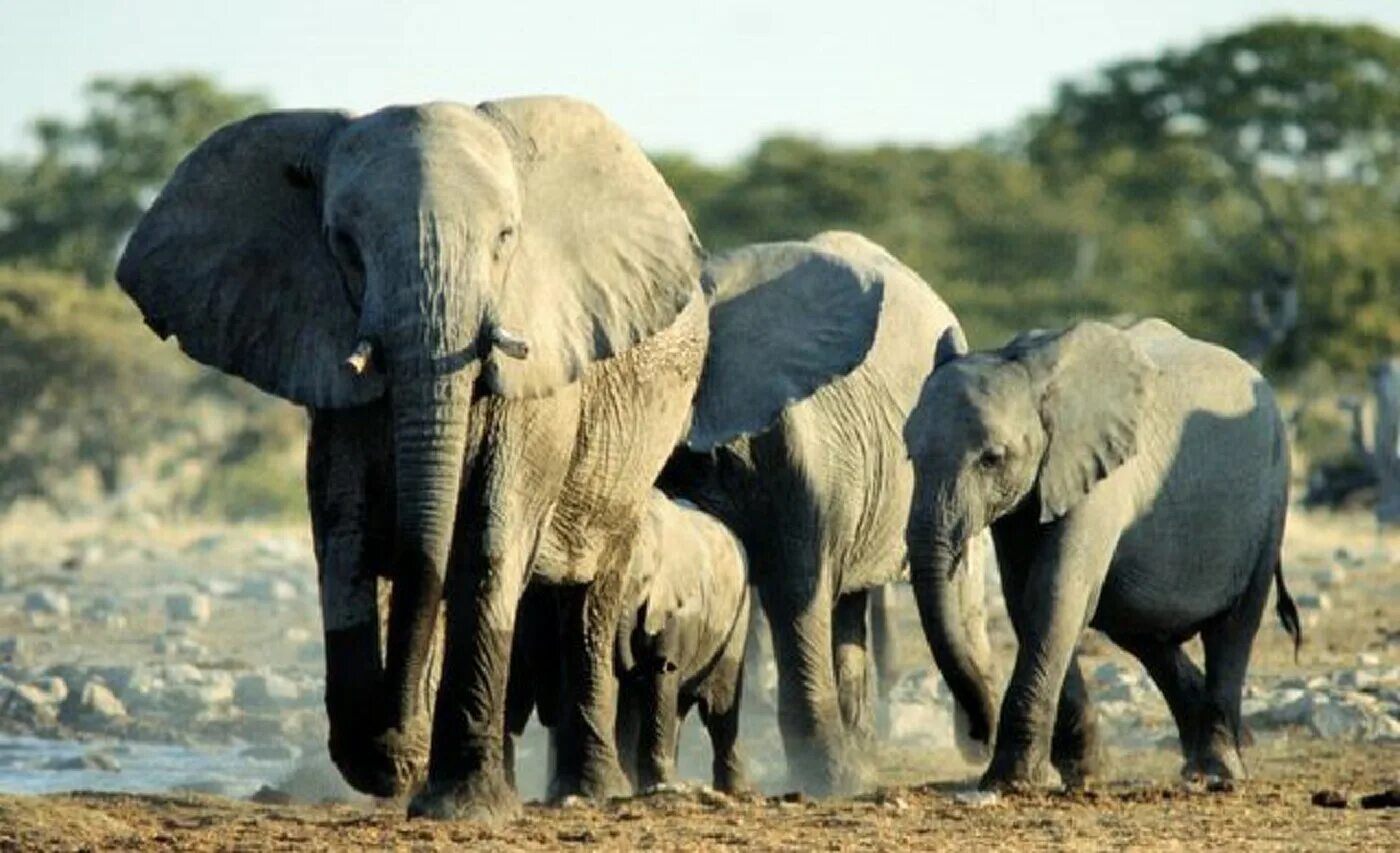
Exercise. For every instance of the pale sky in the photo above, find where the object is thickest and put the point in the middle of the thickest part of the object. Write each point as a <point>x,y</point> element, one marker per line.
<point>710,77</point>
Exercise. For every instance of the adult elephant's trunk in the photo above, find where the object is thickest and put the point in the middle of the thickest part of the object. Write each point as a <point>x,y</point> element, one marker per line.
<point>954,620</point>
<point>429,434</point>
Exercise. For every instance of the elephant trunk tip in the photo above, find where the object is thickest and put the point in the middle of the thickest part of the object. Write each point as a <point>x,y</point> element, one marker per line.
<point>359,359</point>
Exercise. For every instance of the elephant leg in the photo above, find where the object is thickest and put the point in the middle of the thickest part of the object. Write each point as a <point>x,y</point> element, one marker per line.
<point>719,711</point>
<point>588,760</point>
<point>1182,685</point>
<point>1228,640</point>
<point>1076,749</point>
<point>505,505</point>
<point>629,725</point>
<point>809,716</point>
<point>1059,591</point>
<point>849,643</point>
<point>351,500</point>
<point>660,725</point>
<point>884,639</point>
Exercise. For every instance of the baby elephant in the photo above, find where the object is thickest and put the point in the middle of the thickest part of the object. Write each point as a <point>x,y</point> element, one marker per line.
<point>681,642</point>
<point>1135,480</point>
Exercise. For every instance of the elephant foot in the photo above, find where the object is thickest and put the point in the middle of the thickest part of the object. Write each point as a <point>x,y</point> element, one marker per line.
<point>1213,768</point>
<point>1023,776</point>
<point>601,780</point>
<point>732,780</point>
<point>486,799</point>
<point>389,766</point>
<point>1079,761</point>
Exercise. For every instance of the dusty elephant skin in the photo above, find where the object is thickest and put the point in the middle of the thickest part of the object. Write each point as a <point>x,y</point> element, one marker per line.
<point>493,315</point>
<point>1136,481</point>
<point>805,459</point>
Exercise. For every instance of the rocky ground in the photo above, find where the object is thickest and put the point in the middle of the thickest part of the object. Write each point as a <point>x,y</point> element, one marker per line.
<point>186,663</point>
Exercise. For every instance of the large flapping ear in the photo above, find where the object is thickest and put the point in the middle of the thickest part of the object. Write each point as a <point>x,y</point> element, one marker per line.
<point>606,256</point>
<point>1093,385</point>
<point>231,261</point>
<point>785,320</point>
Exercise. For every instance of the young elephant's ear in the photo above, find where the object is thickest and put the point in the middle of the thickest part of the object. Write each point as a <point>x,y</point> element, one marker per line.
<point>1093,384</point>
<point>606,256</point>
<point>786,319</point>
<point>230,260</point>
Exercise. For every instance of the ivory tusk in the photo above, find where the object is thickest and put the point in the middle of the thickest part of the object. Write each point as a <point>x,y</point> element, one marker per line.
<point>510,343</point>
<point>358,361</point>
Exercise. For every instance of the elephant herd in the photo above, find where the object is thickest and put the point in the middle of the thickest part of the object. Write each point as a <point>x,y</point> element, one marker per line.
<point>564,444</point>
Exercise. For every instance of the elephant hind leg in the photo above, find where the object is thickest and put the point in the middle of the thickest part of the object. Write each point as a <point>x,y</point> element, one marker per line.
<point>1228,640</point>
<point>719,711</point>
<point>1076,748</point>
<point>1181,683</point>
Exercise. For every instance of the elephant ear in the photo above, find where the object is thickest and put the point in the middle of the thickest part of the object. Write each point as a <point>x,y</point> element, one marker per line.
<point>786,319</point>
<point>1093,384</point>
<point>230,260</point>
<point>606,256</point>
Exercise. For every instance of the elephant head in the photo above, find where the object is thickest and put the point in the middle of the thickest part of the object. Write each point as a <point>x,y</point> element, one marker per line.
<point>430,253</point>
<point>1034,425</point>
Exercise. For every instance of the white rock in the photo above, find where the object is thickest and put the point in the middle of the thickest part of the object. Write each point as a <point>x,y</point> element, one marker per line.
<point>1313,601</point>
<point>264,692</point>
<point>269,589</point>
<point>1330,577</point>
<point>47,602</point>
<point>188,607</point>
<point>95,706</point>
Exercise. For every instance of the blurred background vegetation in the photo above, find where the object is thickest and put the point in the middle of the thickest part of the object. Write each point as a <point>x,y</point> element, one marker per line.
<point>1247,189</point>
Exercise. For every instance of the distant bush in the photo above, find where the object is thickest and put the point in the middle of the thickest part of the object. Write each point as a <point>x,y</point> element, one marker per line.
<point>95,409</point>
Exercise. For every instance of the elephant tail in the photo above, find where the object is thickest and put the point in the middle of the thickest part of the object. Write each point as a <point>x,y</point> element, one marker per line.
<point>1287,610</point>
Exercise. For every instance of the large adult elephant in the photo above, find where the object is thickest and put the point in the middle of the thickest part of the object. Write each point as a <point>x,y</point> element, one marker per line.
<point>818,350</point>
<point>505,297</point>
<point>1135,480</point>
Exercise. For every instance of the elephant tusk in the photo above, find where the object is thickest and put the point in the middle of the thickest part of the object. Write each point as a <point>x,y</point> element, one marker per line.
<point>510,343</point>
<point>358,361</point>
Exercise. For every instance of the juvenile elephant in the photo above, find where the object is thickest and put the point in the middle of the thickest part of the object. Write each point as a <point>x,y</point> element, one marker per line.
<point>506,299</point>
<point>681,642</point>
<point>818,351</point>
<point>1135,480</point>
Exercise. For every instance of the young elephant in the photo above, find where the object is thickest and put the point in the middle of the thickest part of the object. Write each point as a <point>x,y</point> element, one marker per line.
<point>1135,480</point>
<point>681,642</point>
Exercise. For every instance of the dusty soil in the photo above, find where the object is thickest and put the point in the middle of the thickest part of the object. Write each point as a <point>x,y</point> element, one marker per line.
<point>923,804</point>
<point>1272,811</point>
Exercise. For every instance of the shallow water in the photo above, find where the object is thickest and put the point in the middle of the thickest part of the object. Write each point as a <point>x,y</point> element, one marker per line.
<point>145,768</point>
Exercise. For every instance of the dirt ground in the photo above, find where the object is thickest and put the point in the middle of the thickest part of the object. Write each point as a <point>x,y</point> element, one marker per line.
<point>925,803</point>
<point>1273,811</point>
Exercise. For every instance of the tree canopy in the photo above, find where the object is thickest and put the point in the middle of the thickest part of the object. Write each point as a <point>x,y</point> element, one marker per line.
<point>71,206</point>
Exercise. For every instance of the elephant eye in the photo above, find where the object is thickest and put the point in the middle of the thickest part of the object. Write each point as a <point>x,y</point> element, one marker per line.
<point>992,457</point>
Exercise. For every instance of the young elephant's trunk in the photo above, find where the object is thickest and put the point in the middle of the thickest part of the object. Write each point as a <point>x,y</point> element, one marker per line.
<point>954,622</point>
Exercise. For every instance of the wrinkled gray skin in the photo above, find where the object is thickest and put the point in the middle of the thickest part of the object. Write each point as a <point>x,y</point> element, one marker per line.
<point>818,352</point>
<point>681,643</point>
<point>521,293</point>
<point>1134,480</point>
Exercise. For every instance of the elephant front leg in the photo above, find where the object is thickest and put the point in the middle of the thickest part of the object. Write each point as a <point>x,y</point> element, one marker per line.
<point>588,759</point>
<point>849,644</point>
<point>1059,591</point>
<point>351,503</point>
<point>660,697</point>
<point>467,776</point>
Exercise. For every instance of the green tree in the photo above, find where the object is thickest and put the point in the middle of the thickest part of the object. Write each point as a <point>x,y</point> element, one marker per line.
<point>72,206</point>
<point>1269,143</point>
